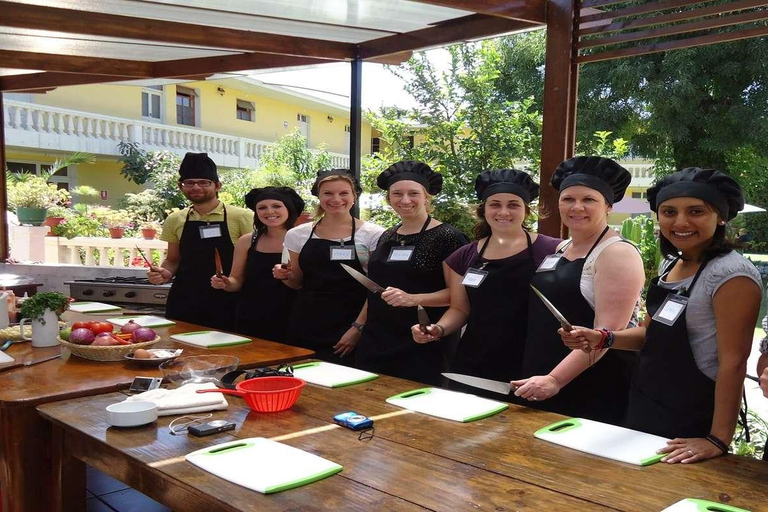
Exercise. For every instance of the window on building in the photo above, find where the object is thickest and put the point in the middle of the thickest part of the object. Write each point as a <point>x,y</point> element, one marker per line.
<point>62,178</point>
<point>246,110</point>
<point>639,195</point>
<point>375,144</point>
<point>185,106</point>
<point>303,121</point>
<point>151,99</point>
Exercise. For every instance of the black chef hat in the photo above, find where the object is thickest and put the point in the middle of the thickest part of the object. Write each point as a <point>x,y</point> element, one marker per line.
<point>510,181</point>
<point>286,195</point>
<point>198,166</point>
<point>321,175</point>
<point>601,174</point>
<point>419,172</point>
<point>714,187</point>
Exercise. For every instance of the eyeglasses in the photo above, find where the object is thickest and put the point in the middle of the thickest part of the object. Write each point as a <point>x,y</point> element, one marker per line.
<point>199,183</point>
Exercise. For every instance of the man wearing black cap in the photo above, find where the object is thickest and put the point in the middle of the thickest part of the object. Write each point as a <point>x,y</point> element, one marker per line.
<point>194,235</point>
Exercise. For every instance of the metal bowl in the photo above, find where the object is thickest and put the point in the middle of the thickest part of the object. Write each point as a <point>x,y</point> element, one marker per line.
<point>183,370</point>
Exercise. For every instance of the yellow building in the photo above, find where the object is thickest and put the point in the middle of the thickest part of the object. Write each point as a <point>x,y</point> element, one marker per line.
<point>234,120</point>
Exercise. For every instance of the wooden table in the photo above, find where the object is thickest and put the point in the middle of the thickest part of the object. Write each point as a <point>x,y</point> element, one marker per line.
<point>414,462</point>
<point>25,439</point>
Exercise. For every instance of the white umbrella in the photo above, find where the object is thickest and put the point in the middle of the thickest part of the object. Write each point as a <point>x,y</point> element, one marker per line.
<point>749,208</point>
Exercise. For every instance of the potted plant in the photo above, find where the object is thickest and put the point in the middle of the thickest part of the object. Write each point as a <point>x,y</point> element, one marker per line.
<point>115,220</point>
<point>149,229</point>
<point>43,311</point>
<point>30,196</point>
<point>54,216</point>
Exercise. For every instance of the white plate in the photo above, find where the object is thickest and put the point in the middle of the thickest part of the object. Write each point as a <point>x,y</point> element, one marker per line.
<point>154,361</point>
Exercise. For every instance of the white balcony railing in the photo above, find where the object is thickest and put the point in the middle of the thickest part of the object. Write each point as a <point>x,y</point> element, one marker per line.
<point>102,252</point>
<point>36,126</point>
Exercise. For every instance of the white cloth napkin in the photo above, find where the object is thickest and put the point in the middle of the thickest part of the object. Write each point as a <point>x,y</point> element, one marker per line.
<point>183,400</point>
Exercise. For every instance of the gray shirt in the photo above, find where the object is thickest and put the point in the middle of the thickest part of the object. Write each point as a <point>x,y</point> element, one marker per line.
<point>699,314</point>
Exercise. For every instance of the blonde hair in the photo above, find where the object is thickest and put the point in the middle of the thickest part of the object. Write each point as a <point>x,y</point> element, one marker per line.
<point>319,212</point>
<point>429,205</point>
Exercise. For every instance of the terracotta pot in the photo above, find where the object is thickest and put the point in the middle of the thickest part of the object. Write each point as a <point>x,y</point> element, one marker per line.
<point>148,233</point>
<point>52,222</point>
<point>116,232</point>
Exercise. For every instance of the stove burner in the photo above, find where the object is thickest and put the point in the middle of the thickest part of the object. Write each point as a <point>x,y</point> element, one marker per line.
<point>111,280</point>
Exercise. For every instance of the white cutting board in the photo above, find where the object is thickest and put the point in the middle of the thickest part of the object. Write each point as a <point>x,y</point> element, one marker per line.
<point>263,465</point>
<point>144,320</point>
<point>210,339</point>
<point>93,307</point>
<point>604,440</point>
<point>450,405</point>
<point>5,358</point>
<point>694,505</point>
<point>331,375</point>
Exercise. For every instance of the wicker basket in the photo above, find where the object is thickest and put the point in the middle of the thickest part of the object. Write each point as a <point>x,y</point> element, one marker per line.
<point>108,353</point>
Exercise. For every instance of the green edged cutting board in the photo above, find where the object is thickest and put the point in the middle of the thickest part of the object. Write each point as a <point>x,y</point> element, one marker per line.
<point>210,339</point>
<point>604,440</point>
<point>450,405</point>
<point>694,505</point>
<point>331,375</point>
<point>263,465</point>
<point>93,307</point>
<point>143,321</point>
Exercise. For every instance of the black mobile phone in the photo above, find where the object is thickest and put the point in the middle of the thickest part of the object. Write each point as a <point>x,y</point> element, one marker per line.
<point>210,428</point>
<point>141,384</point>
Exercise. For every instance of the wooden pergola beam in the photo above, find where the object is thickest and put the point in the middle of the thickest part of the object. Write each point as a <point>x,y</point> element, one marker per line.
<point>523,10</point>
<point>75,64</point>
<point>637,9</point>
<point>228,63</point>
<point>453,31</point>
<point>42,82</point>
<point>74,21</point>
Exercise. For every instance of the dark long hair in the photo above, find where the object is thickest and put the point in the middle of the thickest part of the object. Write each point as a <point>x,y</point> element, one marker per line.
<point>720,244</point>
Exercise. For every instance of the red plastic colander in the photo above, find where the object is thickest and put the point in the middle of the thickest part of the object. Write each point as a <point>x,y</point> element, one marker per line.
<point>266,394</point>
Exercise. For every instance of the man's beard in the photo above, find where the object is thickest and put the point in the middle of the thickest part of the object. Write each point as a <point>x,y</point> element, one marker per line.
<point>203,198</point>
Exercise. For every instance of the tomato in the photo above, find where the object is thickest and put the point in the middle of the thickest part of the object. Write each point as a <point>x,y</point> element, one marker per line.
<point>81,325</point>
<point>99,327</point>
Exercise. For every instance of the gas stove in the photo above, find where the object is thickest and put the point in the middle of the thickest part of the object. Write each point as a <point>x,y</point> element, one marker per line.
<point>135,293</point>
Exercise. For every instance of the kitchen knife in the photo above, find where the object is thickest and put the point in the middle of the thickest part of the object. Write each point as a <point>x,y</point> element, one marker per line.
<point>423,318</point>
<point>28,363</point>
<point>566,325</point>
<point>217,258</point>
<point>144,257</point>
<point>496,386</point>
<point>362,279</point>
<point>285,259</point>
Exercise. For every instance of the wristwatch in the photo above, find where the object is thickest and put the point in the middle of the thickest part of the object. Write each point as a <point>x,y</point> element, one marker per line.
<point>358,326</point>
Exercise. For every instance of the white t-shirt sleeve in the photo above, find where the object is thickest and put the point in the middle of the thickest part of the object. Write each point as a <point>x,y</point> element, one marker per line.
<point>366,241</point>
<point>296,237</point>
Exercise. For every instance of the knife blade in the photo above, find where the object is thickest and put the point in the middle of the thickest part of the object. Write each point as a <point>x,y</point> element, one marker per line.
<point>362,279</point>
<point>217,259</point>
<point>496,386</point>
<point>285,259</point>
<point>566,325</point>
<point>29,363</point>
<point>423,318</point>
<point>144,257</point>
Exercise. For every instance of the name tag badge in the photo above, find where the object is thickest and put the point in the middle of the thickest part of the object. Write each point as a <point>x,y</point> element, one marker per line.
<point>401,253</point>
<point>549,263</point>
<point>671,309</point>
<point>474,277</point>
<point>210,231</point>
<point>342,253</point>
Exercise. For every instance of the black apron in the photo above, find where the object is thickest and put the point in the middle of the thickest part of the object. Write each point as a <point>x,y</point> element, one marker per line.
<point>494,341</point>
<point>265,303</point>
<point>601,392</point>
<point>387,345</point>
<point>191,298</point>
<point>329,299</point>
<point>670,396</point>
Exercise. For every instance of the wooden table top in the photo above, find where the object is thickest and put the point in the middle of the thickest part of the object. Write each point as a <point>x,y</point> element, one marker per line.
<point>60,379</point>
<point>413,461</point>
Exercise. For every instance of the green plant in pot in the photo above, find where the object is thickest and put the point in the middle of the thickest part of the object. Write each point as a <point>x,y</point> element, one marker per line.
<point>30,196</point>
<point>115,220</point>
<point>42,310</point>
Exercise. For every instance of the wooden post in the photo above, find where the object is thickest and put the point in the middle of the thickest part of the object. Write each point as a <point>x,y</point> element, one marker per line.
<point>560,91</point>
<point>4,251</point>
<point>356,123</point>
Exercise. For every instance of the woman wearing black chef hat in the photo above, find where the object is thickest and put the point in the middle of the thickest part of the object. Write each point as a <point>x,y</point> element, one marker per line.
<point>263,303</point>
<point>329,299</point>
<point>593,279</point>
<point>702,310</point>
<point>408,261</point>
<point>489,280</point>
